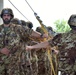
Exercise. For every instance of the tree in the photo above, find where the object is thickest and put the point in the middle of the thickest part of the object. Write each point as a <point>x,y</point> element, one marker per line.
<point>61,26</point>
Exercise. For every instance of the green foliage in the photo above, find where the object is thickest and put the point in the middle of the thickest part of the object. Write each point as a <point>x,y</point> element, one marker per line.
<point>61,26</point>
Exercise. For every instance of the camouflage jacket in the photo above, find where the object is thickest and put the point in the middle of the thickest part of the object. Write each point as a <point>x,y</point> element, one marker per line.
<point>66,43</point>
<point>14,36</point>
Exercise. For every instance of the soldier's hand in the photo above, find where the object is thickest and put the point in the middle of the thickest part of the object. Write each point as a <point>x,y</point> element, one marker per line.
<point>28,47</point>
<point>55,51</point>
<point>45,35</point>
<point>5,51</point>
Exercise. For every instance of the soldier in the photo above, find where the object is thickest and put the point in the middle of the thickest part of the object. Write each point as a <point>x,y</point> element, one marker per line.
<point>45,69</point>
<point>43,62</point>
<point>12,43</point>
<point>66,43</point>
<point>53,55</point>
<point>31,65</point>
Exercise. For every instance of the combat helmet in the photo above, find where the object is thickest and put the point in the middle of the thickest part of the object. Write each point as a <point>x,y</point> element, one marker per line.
<point>16,21</point>
<point>23,22</point>
<point>72,20</point>
<point>7,11</point>
<point>49,28</point>
<point>39,29</point>
<point>29,24</point>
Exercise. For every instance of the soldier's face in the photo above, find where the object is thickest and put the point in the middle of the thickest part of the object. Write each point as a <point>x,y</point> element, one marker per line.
<point>6,18</point>
<point>73,21</point>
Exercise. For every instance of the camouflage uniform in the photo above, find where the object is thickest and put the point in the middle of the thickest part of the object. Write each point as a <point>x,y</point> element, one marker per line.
<point>14,38</point>
<point>51,34</point>
<point>66,43</point>
<point>31,58</point>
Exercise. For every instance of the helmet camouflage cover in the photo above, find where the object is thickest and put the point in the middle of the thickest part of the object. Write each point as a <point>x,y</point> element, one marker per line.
<point>23,22</point>
<point>16,21</point>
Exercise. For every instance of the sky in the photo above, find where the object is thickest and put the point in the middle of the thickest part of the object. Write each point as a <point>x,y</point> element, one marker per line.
<point>48,10</point>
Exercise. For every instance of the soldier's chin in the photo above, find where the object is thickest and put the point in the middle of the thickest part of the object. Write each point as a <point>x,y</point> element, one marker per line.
<point>6,22</point>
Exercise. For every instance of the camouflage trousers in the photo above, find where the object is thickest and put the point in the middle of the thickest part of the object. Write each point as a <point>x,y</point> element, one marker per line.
<point>68,73</point>
<point>66,68</point>
<point>4,65</point>
<point>21,63</point>
<point>44,67</point>
<point>15,65</point>
<point>3,69</point>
